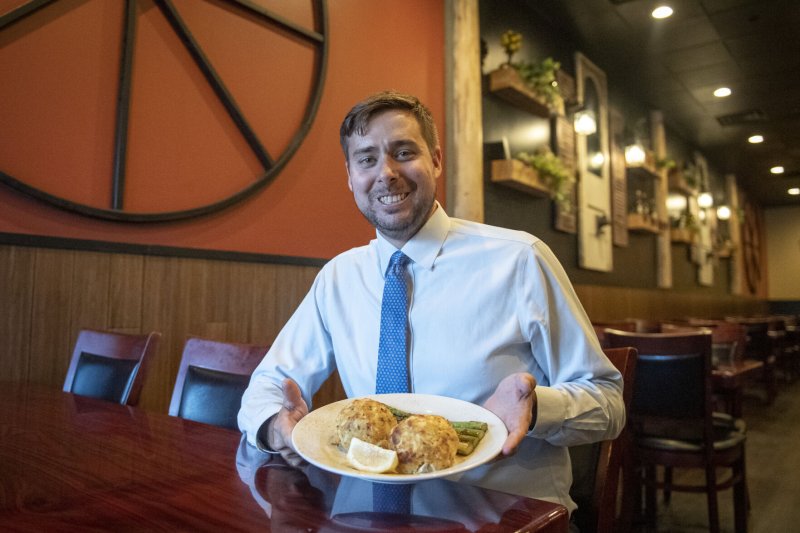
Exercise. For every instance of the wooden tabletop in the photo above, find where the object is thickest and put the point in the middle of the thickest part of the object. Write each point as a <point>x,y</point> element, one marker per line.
<point>74,463</point>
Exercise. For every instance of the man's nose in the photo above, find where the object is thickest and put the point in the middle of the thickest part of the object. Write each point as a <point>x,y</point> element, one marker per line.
<point>388,169</point>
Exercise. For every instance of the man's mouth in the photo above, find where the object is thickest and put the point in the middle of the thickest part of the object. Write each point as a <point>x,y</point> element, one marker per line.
<point>392,198</point>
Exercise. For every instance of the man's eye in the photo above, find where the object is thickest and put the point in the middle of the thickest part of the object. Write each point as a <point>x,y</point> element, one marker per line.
<point>366,161</point>
<point>405,154</point>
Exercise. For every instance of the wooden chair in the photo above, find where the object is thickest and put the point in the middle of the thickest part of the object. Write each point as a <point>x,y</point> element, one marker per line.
<point>759,347</point>
<point>596,467</point>
<point>601,327</point>
<point>109,365</point>
<point>211,380</point>
<point>672,420</point>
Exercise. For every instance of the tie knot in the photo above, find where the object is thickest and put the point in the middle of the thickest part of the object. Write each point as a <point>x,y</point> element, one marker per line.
<point>398,262</point>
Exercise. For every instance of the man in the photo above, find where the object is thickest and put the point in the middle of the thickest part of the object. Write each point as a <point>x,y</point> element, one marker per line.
<point>492,317</point>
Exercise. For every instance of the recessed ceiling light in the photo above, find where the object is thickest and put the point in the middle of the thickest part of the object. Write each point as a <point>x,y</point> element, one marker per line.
<point>794,191</point>
<point>661,12</point>
<point>776,170</point>
<point>722,92</point>
<point>755,139</point>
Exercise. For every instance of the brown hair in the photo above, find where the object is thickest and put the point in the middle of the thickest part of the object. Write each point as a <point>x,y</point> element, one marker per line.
<point>359,116</point>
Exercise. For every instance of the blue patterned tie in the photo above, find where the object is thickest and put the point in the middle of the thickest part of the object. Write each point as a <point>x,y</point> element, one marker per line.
<point>392,348</point>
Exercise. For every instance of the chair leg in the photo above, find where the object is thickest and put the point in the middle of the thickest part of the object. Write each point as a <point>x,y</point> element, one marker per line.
<point>741,500</point>
<point>650,505</point>
<point>711,492</point>
<point>667,484</point>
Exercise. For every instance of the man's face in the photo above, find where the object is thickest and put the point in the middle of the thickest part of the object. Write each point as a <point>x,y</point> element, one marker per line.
<point>392,174</point>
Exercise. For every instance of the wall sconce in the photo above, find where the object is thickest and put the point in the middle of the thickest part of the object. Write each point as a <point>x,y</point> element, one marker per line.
<point>723,212</point>
<point>705,200</point>
<point>596,160</point>
<point>635,155</point>
<point>585,122</point>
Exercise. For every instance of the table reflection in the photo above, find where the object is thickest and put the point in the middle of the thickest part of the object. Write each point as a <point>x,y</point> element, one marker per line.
<point>309,498</point>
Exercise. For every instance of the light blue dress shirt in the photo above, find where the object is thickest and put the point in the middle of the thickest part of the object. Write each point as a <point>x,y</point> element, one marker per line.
<point>486,302</point>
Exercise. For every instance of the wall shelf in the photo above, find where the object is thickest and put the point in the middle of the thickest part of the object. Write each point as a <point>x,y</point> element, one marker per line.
<point>639,223</point>
<point>678,183</point>
<point>682,235</point>
<point>516,174</point>
<point>506,83</point>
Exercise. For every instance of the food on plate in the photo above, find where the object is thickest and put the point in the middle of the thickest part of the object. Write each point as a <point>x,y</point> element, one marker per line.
<point>469,433</point>
<point>424,443</point>
<point>367,420</point>
<point>370,457</point>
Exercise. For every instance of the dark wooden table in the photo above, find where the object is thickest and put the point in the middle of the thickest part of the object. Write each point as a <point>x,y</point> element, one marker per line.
<point>72,463</point>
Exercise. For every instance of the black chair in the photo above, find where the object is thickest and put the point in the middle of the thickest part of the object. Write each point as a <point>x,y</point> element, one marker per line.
<point>596,467</point>
<point>212,377</point>
<point>110,366</point>
<point>673,424</point>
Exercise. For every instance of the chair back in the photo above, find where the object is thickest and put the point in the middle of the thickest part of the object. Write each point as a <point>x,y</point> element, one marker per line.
<point>212,377</point>
<point>758,345</point>
<point>728,342</point>
<point>110,366</point>
<point>672,391</point>
<point>596,466</point>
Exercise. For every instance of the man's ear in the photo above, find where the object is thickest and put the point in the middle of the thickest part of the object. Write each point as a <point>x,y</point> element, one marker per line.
<point>436,156</point>
<point>349,180</point>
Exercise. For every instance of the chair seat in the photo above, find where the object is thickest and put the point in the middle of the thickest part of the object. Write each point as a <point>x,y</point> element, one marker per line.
<point>724,439</point>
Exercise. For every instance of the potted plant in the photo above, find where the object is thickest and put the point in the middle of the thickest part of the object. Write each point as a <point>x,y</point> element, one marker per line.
<point>554,174</point>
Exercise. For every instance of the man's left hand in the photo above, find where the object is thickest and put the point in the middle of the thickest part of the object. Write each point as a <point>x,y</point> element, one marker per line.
<point>514,401</point>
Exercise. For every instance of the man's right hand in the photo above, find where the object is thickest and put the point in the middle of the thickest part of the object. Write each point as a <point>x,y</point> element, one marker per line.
<point>280,429</point>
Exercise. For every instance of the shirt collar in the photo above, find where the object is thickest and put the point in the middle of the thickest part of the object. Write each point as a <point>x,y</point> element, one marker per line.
<point>423,248</point>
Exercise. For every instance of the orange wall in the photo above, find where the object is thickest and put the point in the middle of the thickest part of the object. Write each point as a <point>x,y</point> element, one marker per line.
<point>61,123</point>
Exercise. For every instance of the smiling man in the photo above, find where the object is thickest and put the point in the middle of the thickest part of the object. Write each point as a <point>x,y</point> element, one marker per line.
<point>489,317</point>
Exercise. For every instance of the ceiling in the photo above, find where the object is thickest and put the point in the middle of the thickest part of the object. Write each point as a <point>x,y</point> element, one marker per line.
<point>674,65</point>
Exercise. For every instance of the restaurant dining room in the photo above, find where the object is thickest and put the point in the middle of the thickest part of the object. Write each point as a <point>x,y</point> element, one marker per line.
<point>381,265</point>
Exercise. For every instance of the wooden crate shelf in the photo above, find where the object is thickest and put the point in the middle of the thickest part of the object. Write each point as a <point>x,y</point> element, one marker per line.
<point>506,83</point>
<point>641,224</point>
<point>682,235</point>
<point>516,174</point>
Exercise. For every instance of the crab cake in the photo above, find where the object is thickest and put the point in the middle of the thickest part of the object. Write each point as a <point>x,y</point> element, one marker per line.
<point>366,419</point>
<point>424,443</point>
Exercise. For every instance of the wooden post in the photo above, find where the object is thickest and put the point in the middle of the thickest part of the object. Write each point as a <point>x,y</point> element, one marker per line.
<point>663,242</point>
<point>464,132</point>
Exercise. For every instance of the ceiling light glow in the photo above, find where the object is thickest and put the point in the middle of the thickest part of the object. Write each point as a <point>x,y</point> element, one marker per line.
<point>794,191</point>
<point>661,12</point>
<point>722,92</point>
<point>723,212</point>
<point>755,139</point>
<point>705,200</point>
<point>777,170</point>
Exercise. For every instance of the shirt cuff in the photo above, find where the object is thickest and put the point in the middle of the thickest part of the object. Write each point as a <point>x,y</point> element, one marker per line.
<point>262,437</point>
<point>551,411</point>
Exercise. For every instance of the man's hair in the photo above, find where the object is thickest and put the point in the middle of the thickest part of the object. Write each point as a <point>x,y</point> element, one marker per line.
<point>359,116</point>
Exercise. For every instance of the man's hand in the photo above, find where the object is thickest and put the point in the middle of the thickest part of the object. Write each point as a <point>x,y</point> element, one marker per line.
<point>280,430</point>
<point>514,401</point>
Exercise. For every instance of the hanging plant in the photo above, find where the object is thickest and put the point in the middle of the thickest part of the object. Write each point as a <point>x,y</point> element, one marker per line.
<point>554,174</point>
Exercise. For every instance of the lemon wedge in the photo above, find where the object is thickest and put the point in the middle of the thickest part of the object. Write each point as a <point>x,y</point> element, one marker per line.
<point>371,458</point>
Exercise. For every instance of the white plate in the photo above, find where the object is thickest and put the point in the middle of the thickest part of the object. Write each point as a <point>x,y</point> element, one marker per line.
<point>314,436</point>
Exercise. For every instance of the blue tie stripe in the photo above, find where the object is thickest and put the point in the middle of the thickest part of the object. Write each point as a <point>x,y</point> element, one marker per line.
<point>392,375</point>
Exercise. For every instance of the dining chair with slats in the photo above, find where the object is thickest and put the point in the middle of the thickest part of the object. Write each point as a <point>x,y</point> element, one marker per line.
<point>673,423</point>
<point>596,467</point>
<point>212,378</point>
<point>109,365</point>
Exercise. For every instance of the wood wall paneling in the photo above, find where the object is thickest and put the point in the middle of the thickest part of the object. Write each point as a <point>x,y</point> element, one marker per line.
<point>49,294</point>
<point>16,298</point>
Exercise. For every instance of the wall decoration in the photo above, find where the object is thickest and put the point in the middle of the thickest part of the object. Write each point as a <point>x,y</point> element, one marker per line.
<point>266,147</point>
<point>619,182</point>
<point>594,187</point>
<point>565,213</point>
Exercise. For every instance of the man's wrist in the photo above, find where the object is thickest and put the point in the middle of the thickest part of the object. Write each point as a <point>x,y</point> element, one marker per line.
<point>262,436</point>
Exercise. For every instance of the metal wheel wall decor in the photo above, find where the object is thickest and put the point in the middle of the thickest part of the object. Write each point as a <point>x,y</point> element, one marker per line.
<point>751,248</point>
<point>315,38</point>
